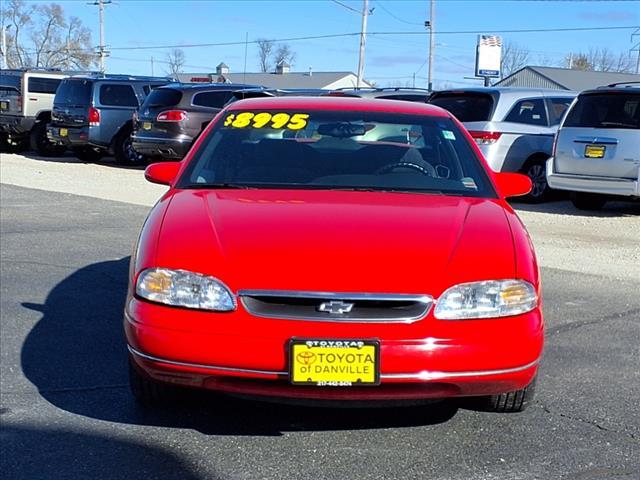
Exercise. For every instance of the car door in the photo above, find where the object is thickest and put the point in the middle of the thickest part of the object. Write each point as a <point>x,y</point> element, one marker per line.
<point>600,135</point>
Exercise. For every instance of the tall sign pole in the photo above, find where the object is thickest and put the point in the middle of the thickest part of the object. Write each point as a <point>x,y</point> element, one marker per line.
<point>363,39</point>
<point>431,25</point>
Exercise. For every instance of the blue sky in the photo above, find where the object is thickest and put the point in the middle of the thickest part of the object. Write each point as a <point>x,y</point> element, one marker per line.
<point>390,59</point>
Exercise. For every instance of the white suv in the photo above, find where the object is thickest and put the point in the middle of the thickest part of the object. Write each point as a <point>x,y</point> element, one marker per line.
<point>597,148</point>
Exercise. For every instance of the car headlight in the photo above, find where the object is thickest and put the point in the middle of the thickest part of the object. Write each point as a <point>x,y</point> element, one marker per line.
<point>181,288</point>
<point>493,298</point>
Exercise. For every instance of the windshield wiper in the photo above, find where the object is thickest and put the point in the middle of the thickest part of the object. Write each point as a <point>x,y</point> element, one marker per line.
<point>218,186</point>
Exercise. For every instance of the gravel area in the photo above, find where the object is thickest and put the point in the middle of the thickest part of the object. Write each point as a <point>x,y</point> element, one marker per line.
<point>605,243</point>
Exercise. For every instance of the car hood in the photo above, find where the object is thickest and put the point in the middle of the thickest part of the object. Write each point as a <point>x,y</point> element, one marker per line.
<point>336,241</point>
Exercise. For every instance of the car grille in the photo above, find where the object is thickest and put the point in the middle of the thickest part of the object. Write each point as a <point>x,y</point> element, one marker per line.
<point>336,307</point>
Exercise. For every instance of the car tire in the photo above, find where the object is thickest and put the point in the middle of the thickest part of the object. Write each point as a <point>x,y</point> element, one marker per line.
<point>11,145</point>
<point>146,391</point>
<point>40,143</point>
<point>124,152</point>
<point>88,154</point>
<point>510,402</point>
<point>537,173</point>
<point>588,201</point>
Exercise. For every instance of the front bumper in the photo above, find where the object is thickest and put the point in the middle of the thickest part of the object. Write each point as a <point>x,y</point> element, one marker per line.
<point>174,148</point>
<point>583,183</point>
<point>463,358</point>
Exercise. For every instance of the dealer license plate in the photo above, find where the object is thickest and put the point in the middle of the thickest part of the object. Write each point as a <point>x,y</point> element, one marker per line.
<point>334,363</point>
<point>64,132</point>
<point>146,125</point>
<point>4,105</point>
<point>594,151</point>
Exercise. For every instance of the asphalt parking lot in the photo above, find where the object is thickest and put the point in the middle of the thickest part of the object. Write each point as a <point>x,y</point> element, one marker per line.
<point>67,413</point>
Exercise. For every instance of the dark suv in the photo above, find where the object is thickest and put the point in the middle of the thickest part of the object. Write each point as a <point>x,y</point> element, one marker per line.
<point>173,116</point>
<point>93,114</point>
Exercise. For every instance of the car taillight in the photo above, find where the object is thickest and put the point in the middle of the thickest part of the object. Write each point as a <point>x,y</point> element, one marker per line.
<point>485,138</point>
<point>94,117</point>
<point>19,103</point>
<point>172,116</point>
<point>554,145</point>
<point>134,117</point>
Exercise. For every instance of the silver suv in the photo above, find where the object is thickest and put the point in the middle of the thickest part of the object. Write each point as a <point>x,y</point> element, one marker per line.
<point>597,149</point>
<point>513,127</point>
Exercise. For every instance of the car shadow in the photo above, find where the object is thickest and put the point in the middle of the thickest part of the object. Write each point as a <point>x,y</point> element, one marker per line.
<point>565,207</point>
<point>68,157</point>
<point>75,355</point>
<point>82,455</point>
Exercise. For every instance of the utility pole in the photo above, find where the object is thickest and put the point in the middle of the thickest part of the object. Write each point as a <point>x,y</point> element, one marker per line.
<point>430,25</point>
<point>102,48</point>
<point>363,37</point>
<point>152,73</point>
<point>636,48</point>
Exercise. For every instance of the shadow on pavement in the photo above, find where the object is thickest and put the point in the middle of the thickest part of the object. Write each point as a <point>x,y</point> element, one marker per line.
<point>71,454</point>
<point>68,157</point>
<point>76,357</point>
<point>610,209</point>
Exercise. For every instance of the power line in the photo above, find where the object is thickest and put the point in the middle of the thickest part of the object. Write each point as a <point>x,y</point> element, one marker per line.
<point>347,7</point>
<point>391,14</point>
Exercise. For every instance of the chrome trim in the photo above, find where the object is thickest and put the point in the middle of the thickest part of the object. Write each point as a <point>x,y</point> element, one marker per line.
<point>427,300</point>
<point>199,365</point>
<point>424,375</point>
<point>181,140</point>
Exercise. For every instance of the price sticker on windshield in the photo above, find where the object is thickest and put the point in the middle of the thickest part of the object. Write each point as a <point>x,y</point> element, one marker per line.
<point>277,121</point>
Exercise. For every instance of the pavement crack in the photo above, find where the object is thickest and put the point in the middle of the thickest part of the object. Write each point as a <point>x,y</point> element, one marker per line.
<point>579,324</point>
<point>593,423</point>
<point>88,388</point>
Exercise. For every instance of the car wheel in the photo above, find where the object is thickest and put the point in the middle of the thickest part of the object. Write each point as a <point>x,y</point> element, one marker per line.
<point>537,172</point>
<point>41,144</point>
<point>510,402</point>
<point>88,154</point>
<point>588,201</point>
<point>124,151</point>
<point>12,145</point>
<point>146,391</point>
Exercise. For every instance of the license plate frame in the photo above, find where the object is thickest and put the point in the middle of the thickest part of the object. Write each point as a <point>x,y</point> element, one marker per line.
<point>4,105</point>
<point>146,125</point>
<point>63,132</point>
<point>345,378</point>
<point>594,151</point>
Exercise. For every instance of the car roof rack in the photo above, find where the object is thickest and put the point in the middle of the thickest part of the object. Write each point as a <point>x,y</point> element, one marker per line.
<point>383,89</point>
<point>616,84</point>
<point>117,76</point>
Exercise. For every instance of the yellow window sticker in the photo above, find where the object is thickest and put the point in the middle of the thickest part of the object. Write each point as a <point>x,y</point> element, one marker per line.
<point>277,121</point>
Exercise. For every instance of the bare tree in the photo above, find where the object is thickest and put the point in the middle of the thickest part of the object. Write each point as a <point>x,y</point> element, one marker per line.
<point>599,60</point>
<point>284,54</point>
<point>265,49</point>
<point>513,58</point>
<point>41,36</point>
<point>577,61</point>
<point>175,61</point>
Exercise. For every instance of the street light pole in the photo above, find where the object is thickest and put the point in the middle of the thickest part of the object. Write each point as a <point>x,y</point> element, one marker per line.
<point>363,37</point>
<point>431,25</point>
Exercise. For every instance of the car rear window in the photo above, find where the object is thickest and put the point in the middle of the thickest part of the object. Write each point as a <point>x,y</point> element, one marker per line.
<point>73,92</point>
<point>8,80</point>
<point>212,99</point>
<point>117,95</point>
<point>43,85</point>
<point>337,150</point>
<point>605,110</point>
<point>163,97</point>
<point>465,106</point>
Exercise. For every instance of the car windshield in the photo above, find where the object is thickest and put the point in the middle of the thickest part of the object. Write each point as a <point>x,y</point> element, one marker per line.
<point>337,150</point>
<point>465,106</point>
<point>605,110</point>
<point>73,92</point>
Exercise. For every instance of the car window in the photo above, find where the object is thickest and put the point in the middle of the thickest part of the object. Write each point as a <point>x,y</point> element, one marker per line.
<point>557,109</point>
<point>605,110</point>
<point>338,150</point>
<point>212,99</point>
<point>117,95</point>
<point>73,92</point>
<point>163,97</point>
<point>43,85</point>
<point>530,112</point>
<point>465,106</point>
<point>9,80</point>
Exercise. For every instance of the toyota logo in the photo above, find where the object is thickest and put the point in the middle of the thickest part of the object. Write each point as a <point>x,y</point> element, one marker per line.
<point>306,358</point>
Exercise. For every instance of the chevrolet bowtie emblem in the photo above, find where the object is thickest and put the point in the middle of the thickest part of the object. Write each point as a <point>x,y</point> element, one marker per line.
<point>335,307</point>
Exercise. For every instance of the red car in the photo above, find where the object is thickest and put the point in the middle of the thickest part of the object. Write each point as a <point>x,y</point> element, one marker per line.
<point>335,249</point>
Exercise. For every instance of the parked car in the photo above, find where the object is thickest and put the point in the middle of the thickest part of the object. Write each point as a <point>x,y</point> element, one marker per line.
<point>597,149</point>
<point>513,127</point>
<point>390,93</point>
<point>92,114</point>
<point>26,100</point>
<point>173,116</point>
<point>302,253</point>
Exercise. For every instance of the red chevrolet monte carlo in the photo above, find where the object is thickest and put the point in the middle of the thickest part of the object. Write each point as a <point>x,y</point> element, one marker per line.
<point>335,249</point>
